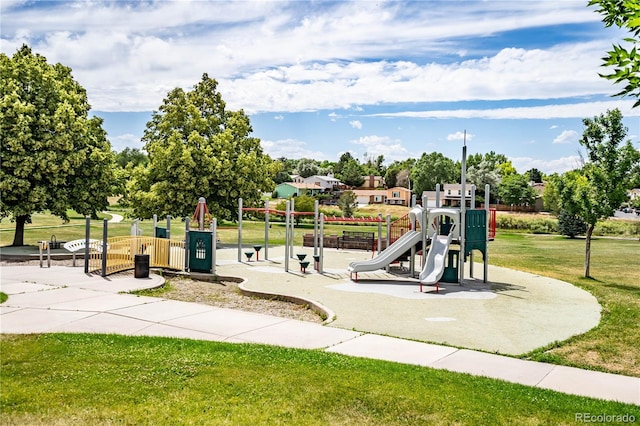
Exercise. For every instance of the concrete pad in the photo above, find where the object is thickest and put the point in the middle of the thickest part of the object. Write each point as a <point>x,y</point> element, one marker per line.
<point>392,349</point>
<point>225,322</point>
<point>163,330</point>
<point>161,310</point>
<point>593,384</point>
<point>102,323</point>
<point>25,321</point>
<point>298,334</point>
<point>101,302</point>
<point>50,297</point>
<point>411,290</point>
<point>6,310</point>
<point>24,287</point>
<point>495,366</point>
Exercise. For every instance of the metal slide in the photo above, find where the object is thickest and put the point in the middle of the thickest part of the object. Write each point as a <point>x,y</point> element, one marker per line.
<point>434,266</point>
<point>388,255</point>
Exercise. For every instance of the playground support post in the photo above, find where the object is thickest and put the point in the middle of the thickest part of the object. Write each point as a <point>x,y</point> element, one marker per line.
<point>286,236</point>
<point>472,206</point>
<point>186,243</point>
<point>168,227</point>
<point>87,237</point>
<point>292,226</point>
<point>425,220</point>
<point>239,229</point>
<point>155,224</point>
<point>463,208</point>
<point>388,236</point>
<point>316,209</point>
<point>214,229</point>
<point>379,232</point>
<point>321,245</point>
<point>437,195</point>
<point>266,229</point>
<point>105,234</point>
<point>487,189</point>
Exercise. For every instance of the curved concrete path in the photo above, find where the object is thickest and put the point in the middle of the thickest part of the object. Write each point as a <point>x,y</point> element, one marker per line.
<point>64,299</point>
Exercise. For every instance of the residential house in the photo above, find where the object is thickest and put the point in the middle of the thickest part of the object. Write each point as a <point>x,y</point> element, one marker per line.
<point>634,194</point>
<point>372,182</point>
<point>326,183</point>
<point>295,189</point>
<point>370,196</point>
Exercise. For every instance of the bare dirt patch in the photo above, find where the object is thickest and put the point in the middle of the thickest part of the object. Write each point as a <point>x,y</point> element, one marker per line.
<point>226,294</point>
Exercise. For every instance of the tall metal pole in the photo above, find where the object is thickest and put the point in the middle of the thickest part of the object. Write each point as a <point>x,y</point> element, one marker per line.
<point>168,227</point>
<point>214,230</point>
<point>105,234</point>
<point>87,247</point>
<point>316,209</point>
<point>239,229</point>
<point>155,225</point>
<point>437,195</point>
<point>487,189</point>
<point>463,207</point>
<point>321,245</point>
<point>292,224</point>
<point>266,229</point>
<point>187,250</point>
<point>379,232</point>
<point>286,236</point>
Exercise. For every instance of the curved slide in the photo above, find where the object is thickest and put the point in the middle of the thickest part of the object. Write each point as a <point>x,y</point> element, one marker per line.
<point>434,266</point>
<point>388,255</point>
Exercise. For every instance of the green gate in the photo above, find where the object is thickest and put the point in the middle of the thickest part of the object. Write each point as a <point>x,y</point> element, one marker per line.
<point>161,232</point>
<point>200,251</point>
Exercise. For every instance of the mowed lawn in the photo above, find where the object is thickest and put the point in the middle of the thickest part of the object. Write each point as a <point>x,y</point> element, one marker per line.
<point>614,345</point>
<point>65,379</point>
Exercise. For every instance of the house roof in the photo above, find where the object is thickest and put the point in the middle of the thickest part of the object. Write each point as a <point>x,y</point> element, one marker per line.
<point>301,185</point>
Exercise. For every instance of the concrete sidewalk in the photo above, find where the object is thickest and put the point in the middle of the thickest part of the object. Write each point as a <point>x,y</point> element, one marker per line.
<point>64,299</point>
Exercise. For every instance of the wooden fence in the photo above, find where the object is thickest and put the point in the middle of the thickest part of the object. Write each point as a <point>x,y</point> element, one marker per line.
<point>121,251</point>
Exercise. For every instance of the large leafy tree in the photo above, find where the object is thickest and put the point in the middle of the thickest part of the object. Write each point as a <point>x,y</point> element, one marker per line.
<point>199,149</point>
<point>601,186</point>
<point>351,174</point>
<point>431,169</point>
<point>625,60</point>
<point>515,190</point>
<point>54,157</point>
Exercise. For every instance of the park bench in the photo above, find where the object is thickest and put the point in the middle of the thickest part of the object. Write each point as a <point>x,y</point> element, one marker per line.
<point>79,245</point>
<point>358,240</point>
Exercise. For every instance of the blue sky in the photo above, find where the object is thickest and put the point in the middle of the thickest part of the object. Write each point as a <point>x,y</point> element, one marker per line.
<point>320,78</point>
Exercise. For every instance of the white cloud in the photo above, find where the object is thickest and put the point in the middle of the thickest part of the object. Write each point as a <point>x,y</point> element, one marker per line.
<point>459,136</point>
<point>291,148</point>
<point>567,136</point>
<point>129,55</point>
<point>278,117</point>
<point>560,165</point>
<point>356,124</point>
<point>577,110</point>
<point>555,126</point>
<point>383,145</point>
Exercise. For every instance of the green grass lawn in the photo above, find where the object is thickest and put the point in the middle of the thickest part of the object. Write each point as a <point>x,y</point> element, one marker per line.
<point>615,267</point>
<point>67,379</point>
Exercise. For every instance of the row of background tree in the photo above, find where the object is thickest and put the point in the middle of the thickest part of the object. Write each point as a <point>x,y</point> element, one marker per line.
<point>507,185</point>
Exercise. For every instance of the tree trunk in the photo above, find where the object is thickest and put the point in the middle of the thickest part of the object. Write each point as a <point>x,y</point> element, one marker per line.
<point>587,254</point>
<point>18,237</point>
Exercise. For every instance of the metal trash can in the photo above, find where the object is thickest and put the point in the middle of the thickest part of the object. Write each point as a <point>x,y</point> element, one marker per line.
<point>141,265</point>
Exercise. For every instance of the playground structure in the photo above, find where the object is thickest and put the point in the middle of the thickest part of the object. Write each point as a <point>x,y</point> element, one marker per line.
<point>437,229</point>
